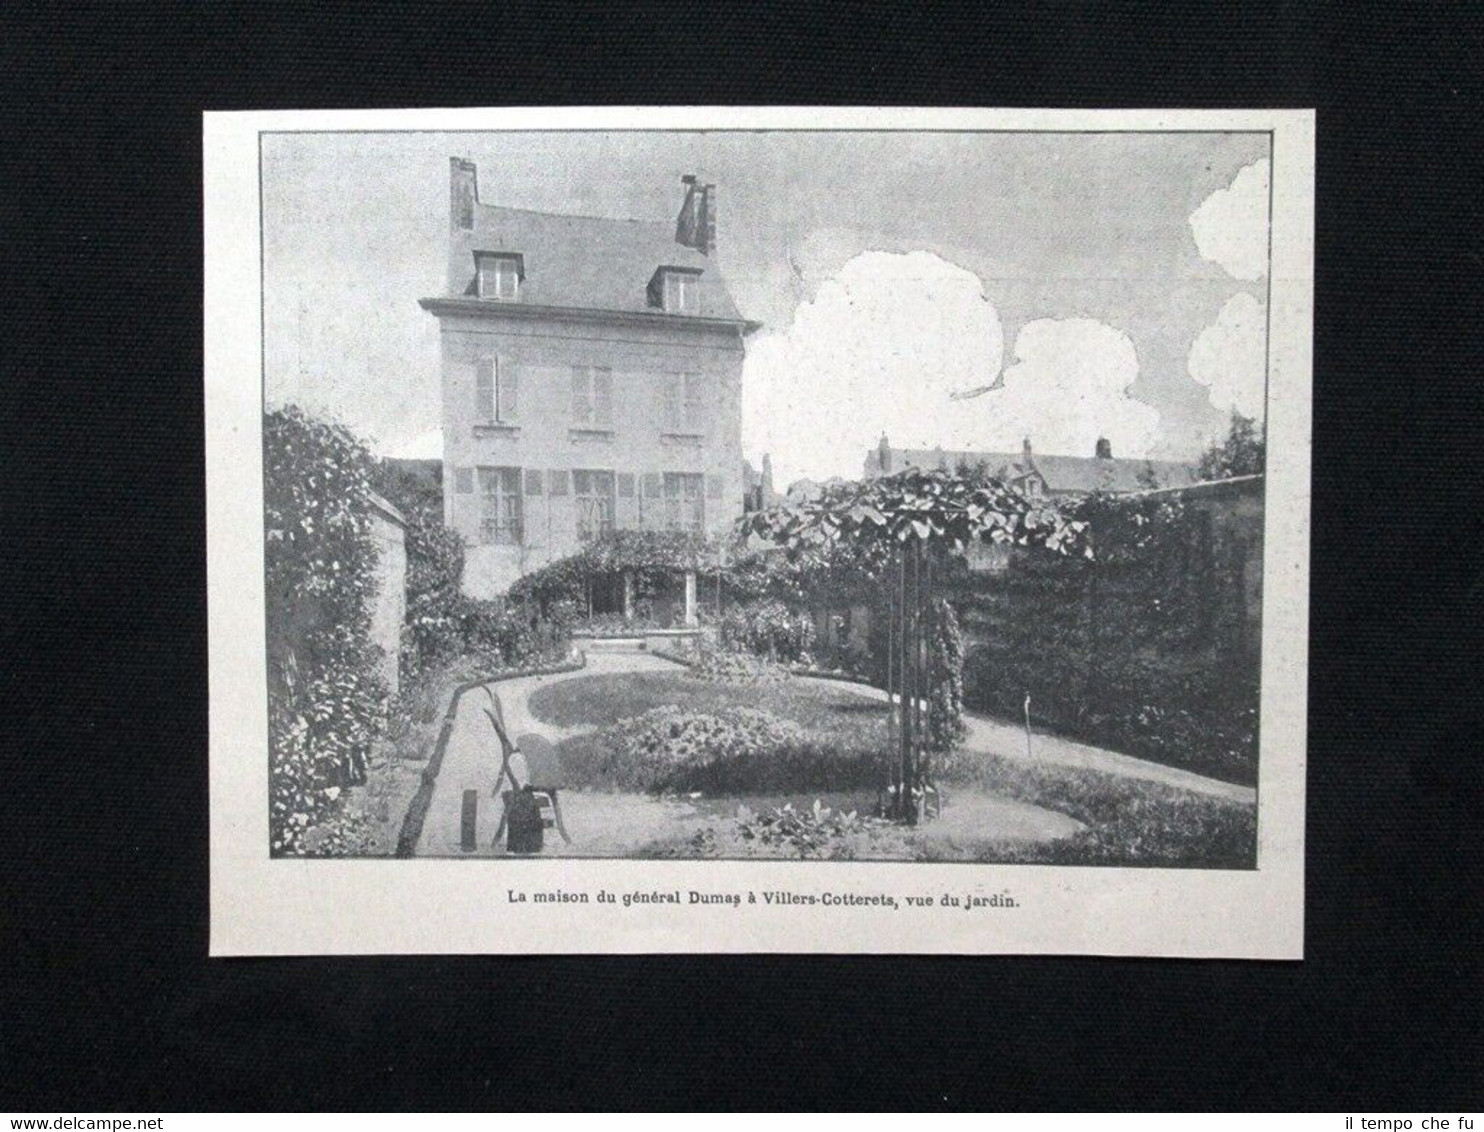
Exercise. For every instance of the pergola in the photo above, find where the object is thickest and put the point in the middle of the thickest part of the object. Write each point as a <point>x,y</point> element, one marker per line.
<point>625,555</point>
<point>907,525</point>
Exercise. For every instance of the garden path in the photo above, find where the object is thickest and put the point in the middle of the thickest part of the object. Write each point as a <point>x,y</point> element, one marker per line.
<point>601,824</point>
<point>1008,741</point>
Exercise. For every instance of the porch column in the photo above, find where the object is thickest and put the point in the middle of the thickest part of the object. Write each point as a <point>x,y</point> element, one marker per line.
<point>690,599</point>
<point>628,595</point>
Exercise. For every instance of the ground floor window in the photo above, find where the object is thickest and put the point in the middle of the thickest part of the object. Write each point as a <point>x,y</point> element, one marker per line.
<point>594,492</point>
<point>500,506</point>
<point>684,502</point>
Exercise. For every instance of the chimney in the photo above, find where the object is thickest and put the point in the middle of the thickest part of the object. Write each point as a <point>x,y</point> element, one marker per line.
<point>696,225</point>
<point>463,192</point>
<point>1026,450</point>
<point>1105,448</point>
<point>769,495</point>
<point>883,454</point>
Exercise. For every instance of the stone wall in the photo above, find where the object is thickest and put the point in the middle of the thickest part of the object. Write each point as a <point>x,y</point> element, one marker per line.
<point>389,606</point>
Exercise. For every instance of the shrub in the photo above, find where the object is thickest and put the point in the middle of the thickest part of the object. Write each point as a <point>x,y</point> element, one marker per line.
<point>945,705</point>
<point>719,667</point>
<point>768,628</point>
<point>734,750</point>
<point>326,697</point>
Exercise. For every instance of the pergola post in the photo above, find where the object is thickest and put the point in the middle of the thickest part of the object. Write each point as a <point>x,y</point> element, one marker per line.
<point>628,595</point>
<point>691,619</point>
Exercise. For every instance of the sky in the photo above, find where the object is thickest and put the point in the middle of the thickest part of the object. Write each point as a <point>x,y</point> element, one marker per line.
<point>1094,285</point>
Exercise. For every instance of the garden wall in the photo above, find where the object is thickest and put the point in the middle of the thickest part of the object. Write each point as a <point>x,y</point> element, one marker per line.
<point>389,601</point>
<point>1152,647</point>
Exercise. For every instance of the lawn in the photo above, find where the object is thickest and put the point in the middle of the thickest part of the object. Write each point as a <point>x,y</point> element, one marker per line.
<point>1123,821</point>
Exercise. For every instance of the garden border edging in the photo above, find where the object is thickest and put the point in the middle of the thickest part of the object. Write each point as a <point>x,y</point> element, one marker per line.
<point>417,810</point>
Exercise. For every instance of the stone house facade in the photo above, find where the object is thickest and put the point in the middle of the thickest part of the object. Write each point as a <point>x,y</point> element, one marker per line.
<point>591,380</point>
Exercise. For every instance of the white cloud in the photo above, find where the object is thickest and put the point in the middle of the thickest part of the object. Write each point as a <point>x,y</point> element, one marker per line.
<point>889,338</point>
<point>1229,356</point>
<point>1231,225</point>
<point>878,349</point>
<point>1067,387</point>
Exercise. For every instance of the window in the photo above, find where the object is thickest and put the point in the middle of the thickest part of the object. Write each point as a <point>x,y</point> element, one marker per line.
<point>684,506</point>
<point>496,386</point>
<point>500,510</point>
<point>685,405</point>
<point>499,277</point>
<point>682,292</point>
<point>594,493</point>
<point>592,397</point>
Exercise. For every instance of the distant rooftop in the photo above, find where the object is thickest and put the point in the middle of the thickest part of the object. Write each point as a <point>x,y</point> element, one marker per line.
<point>1063,474</point>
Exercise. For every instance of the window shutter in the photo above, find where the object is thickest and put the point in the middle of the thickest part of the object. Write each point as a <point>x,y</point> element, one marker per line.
<point>582,406</point>
<point>533,481</point>
<point>603,397</point>
<point>484,389</point>
<point>653,485</point>
<point>463,481</point>
<point>672,400</point>
<point>713,487</point>
<point>626,485</point>
<point>509,374</point>
<point>557,481</point>
<point>695,403</point>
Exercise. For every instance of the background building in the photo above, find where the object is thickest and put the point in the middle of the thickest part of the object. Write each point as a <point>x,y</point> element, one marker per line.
<point>1039,475</point>
<point>592,380</point>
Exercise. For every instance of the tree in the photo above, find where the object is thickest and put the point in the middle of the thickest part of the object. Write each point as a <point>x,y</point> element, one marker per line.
<point>1242,453</point>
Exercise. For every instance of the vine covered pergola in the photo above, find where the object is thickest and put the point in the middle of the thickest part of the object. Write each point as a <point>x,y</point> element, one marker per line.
<point>907,526</point>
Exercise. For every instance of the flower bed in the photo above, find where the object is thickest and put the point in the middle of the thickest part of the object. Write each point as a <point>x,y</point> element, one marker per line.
<point>734,750</point>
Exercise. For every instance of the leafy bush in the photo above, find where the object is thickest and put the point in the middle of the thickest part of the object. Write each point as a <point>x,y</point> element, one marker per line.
<point>719,667</point>
<point>326,697</point>
<point>945,701</point>
<point>768,628</point>
<point>733,750</point>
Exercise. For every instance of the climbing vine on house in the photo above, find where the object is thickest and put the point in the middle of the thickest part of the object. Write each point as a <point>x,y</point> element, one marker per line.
<point>325,696</point>
<point>559,589</point>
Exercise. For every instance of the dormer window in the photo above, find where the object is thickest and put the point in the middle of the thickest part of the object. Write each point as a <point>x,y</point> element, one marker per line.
<point>676,290</point>
<point>499,276</point>
<point>682,292</point>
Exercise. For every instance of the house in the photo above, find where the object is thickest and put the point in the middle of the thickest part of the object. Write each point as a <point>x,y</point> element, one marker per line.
<point>1039,475</point>
<point>591,379</point>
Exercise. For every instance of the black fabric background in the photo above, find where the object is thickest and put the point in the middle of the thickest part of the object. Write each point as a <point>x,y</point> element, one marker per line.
<point>108,999</point>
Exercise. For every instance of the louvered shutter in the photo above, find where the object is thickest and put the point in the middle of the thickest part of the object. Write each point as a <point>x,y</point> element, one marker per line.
<point>671,406</point>
<point>463,481</point>
<point>484,389</point>
<point>603,396</point>
<point>557,481</point>
<point>509,375</point>
<point>695,405</point>
<point>533,481</point>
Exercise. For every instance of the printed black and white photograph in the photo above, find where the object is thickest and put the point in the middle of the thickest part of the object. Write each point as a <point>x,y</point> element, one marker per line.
<point>841,496</point>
